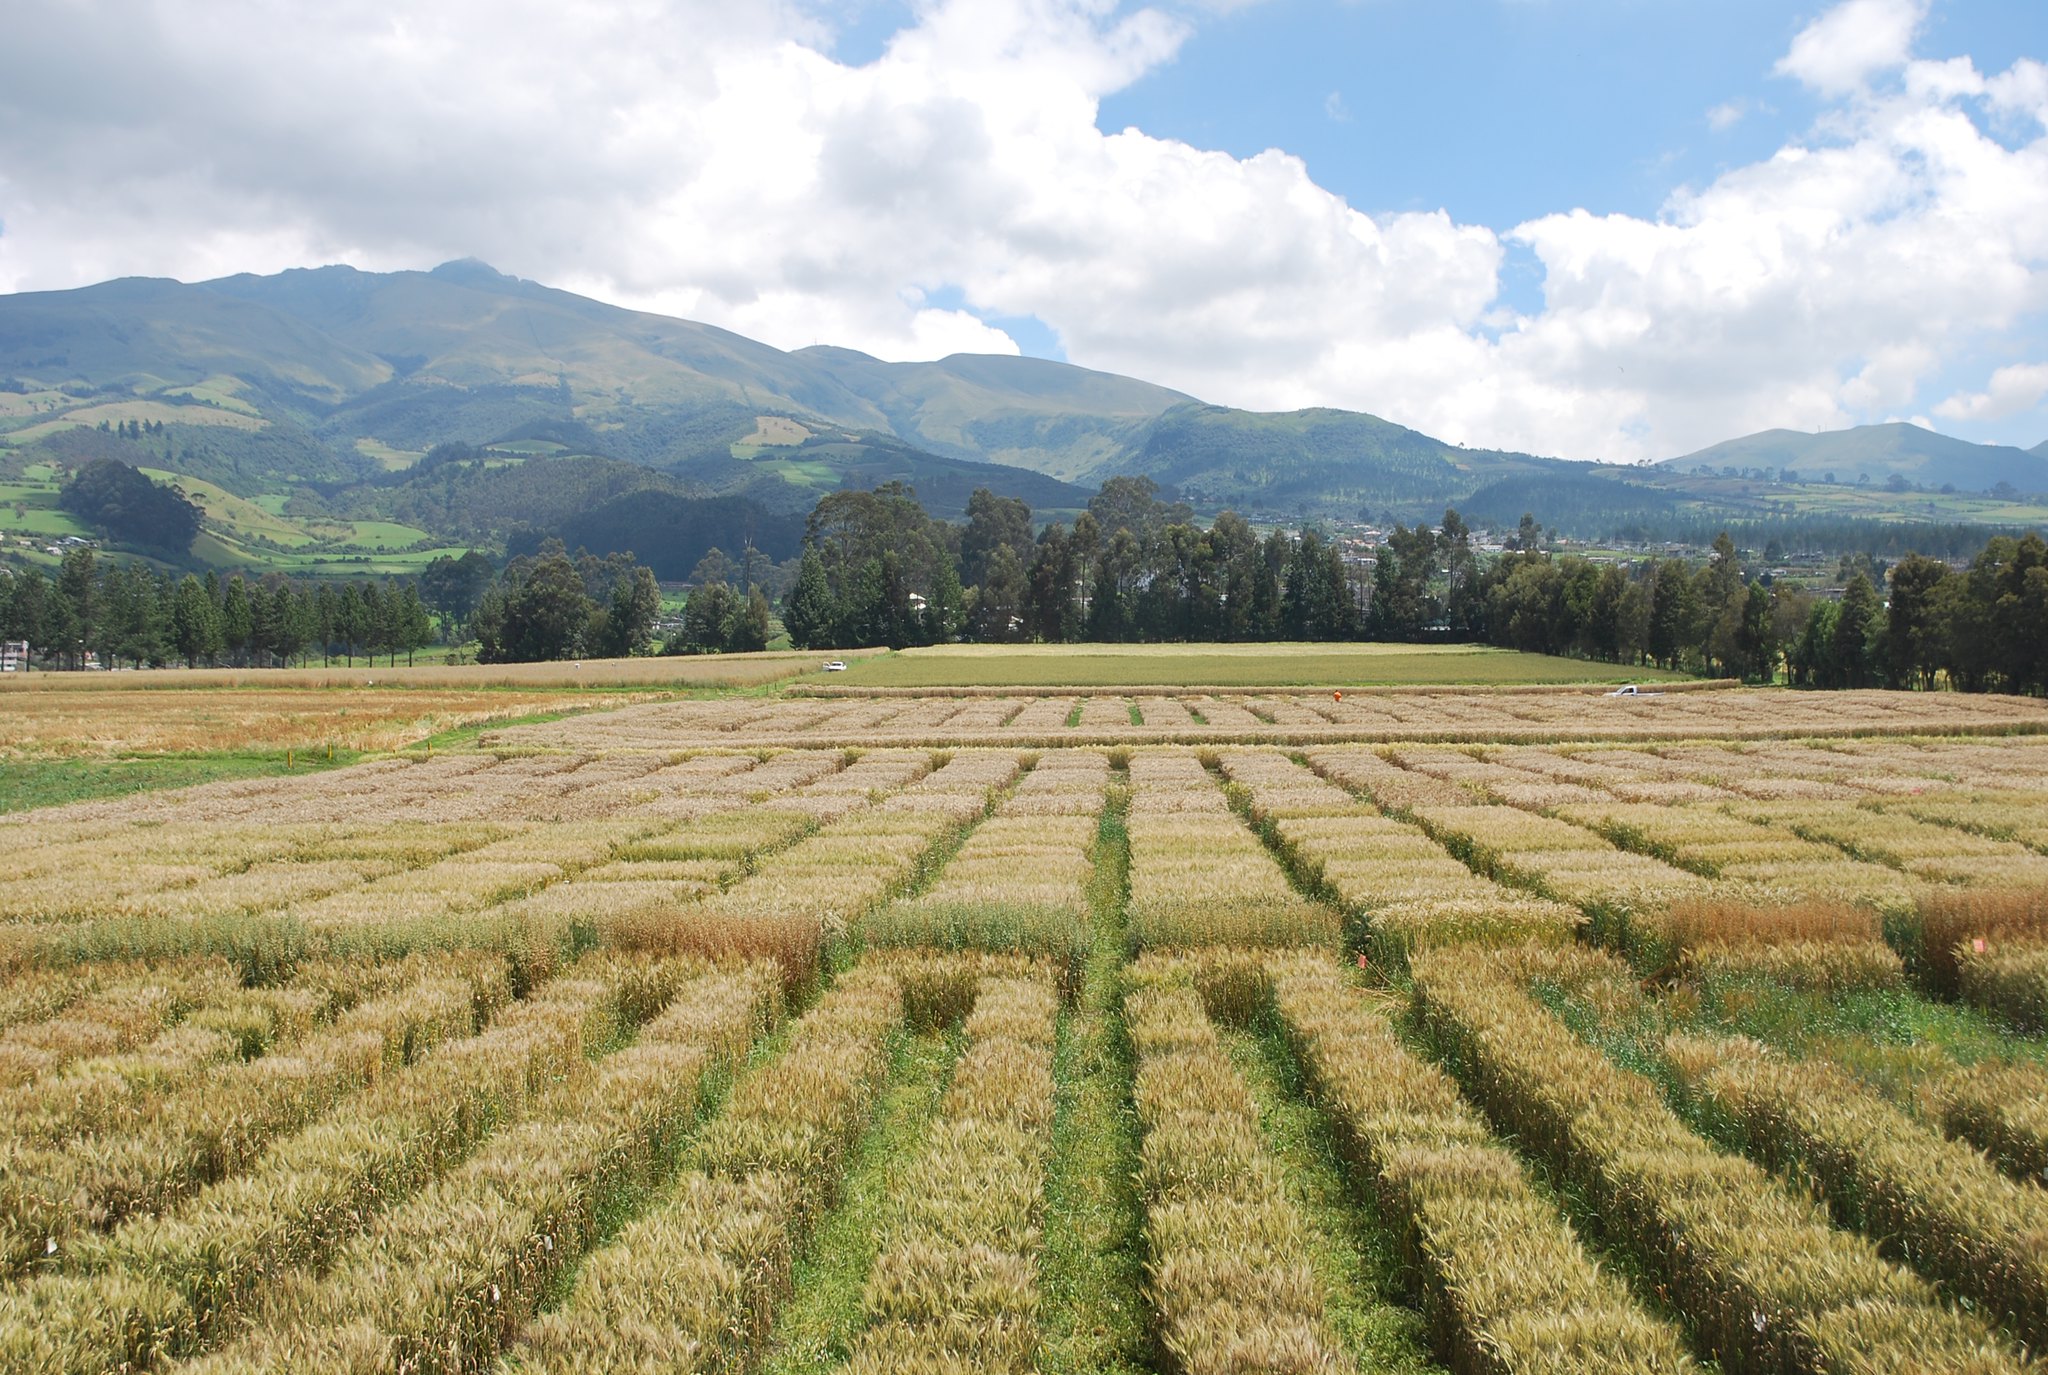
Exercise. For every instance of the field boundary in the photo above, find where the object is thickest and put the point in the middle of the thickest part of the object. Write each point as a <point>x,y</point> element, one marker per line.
<point>1590,687</point>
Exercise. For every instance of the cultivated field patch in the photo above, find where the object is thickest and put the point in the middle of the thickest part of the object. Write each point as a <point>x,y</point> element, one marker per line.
<point>1202,1032</point>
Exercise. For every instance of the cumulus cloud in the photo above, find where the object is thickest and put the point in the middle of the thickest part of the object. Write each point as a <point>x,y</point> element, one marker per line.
<point>2019,387</point>
<point>1840,51</point>
<point>715,161</point>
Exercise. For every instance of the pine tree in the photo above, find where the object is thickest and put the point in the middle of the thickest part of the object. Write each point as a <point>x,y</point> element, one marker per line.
<point>195,623</point>
<point>810,615</point>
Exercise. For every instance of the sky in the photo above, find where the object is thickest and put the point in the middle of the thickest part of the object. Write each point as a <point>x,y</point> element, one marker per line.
<point>1603,229</point>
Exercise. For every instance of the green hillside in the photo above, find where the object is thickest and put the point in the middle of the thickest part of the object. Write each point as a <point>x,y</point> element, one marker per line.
<point>302,411</point>
<point>1028,412</point>
<point>1315,462</point>
<point>1873,454</point>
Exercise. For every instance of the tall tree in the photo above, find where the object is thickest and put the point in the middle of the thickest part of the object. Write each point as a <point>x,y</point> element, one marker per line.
<point>78,591</point>
<point>992,522</point>
<point>811,611</point>
<point>195,623</point>
<point>1849,650</point>
<point>1914,641</point>
<point>1671,614</point>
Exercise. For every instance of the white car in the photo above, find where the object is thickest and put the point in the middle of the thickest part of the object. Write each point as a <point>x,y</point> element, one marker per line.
<point>835,666</point>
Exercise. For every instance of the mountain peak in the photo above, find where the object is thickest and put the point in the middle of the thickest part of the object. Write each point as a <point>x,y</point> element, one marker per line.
<point>1877,453</point>
<point>833,353</point>
<point>472,272</point>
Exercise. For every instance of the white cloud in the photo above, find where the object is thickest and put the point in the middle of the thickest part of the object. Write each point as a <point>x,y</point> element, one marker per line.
<point>2011,390</point>
<point>1840,51</point>
<point>2021,91</point>
<point>1726,115</point>
<point>1334,108</point>
<point>712,161</point>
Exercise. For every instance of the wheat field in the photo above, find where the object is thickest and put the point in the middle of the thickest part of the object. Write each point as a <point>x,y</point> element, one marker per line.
<point>1202,1032</point>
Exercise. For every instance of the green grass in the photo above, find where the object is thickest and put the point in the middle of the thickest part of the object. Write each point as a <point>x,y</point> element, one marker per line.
<point>1236,665</point>
<point>1355,1255</point>
<point>817,1328</point>
<point>366,534</point>
<point>44,782</point>
<point>1093,1320</point>
<point>1892,1039</point>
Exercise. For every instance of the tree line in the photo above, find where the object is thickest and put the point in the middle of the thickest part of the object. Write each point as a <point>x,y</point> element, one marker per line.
<point>1920,623</point>
<point>877,569</point>
<point>549,605</point>
<point>126,614</point>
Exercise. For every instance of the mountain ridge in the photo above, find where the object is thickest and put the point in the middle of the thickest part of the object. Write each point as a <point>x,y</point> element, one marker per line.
<point>322,390</point>
<point>1877,453</point>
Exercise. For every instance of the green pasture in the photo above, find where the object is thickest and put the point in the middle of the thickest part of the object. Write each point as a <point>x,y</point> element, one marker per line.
<point>386,457</point>
<point>34,781</point>
<point>1234,665</point>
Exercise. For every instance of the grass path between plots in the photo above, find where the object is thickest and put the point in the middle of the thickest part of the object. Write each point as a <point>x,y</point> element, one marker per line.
<point>817,1327</point>
<point>1093,1267</point>
<point>1356,1257</point>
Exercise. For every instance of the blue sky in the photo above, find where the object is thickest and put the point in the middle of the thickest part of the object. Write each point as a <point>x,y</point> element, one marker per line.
<point>1503,111</point>
<point>1614,229</point>
<point>1496,110</point>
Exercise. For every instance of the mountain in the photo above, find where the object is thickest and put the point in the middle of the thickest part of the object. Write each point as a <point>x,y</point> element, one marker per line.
<point>1309,462</point>
<point>335,375</point>
<point>1030,412</point>
<point>1876,453</point>
<point>331,416</point>
<point>317,393</point>
<point>465,352</point>
<point>2041,449</point>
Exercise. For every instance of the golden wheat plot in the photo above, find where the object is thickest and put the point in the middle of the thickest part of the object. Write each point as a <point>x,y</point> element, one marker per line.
<point>1564,862</point>
<point>694,1283</point>
<point>1020,880</point>
<point>1506,1285</point>
<point>1765,1281</point>
<point>1387,784</point>
<point>2019,815</point>
<point>181,1115</point>
<point>995,718</point>
<point>117,1017</point>
<point>1919,848</point>
<point>2011,981</point>
<point>1198,876</point>
<point>443,1282</point>
<point>1937,1204</point>
<point>2002,1110</point>
<point>171,1283</point>
<point>1229,1273</point>
<point>956,1281</point>
<point>819,888</point>
<point>1405,886</point>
